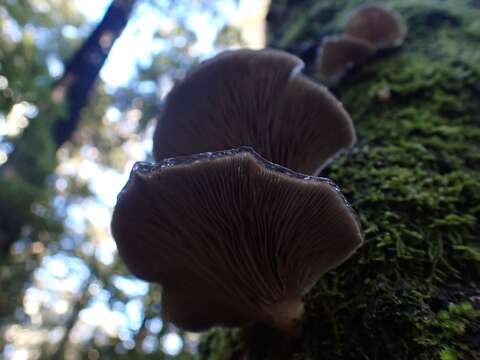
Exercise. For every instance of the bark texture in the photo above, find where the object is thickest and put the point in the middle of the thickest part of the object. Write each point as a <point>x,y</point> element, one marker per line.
<point>413,291</point>
<point>82,70</point>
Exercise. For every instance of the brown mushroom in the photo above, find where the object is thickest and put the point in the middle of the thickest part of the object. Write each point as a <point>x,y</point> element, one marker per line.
<point>339,53</point>
<point>378,25</point>
<point>232,238</point>
<point>259,99</point>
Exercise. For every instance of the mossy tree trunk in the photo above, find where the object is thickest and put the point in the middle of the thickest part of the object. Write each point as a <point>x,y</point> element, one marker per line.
<point>413,291</point>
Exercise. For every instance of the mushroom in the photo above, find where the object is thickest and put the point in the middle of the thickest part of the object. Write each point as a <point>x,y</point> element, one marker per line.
<point>369,28</point>
<point>377,24</point>
<point>232,238</point>
<point>259,99</point>
<point>339,53</point>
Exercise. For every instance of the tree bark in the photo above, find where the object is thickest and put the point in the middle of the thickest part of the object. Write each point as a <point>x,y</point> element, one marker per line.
<point>82,70</point>
<point>412,291</point>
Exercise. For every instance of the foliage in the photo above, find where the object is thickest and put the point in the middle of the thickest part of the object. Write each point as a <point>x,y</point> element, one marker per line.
<point>25,101</point>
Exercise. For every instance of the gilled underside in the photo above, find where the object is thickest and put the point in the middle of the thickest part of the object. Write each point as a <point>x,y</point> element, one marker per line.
<point>231,237</point>
<point>258,99</point>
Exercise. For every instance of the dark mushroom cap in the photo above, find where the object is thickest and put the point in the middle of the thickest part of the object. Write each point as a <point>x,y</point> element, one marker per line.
<point>339,53</point>
<point>254,98</point>
<point>377,24</point>
<point>231,237</point>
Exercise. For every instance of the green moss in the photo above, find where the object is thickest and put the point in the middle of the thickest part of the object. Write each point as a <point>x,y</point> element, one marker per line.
<point>412,292</point>
<point>221,344</point>
<point>449,326</point>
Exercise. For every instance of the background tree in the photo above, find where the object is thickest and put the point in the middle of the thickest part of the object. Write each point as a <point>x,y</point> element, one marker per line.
<point>29,162</point>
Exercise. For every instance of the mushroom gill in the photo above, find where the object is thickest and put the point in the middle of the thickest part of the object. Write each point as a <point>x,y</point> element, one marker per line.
<point>258,99</point>
<point>232,238</point>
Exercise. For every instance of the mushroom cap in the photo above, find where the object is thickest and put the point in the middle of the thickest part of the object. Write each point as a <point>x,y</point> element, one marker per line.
<point>339,53</point>
<point>255,98</point>
<point>377,24</point>
<point>231,237</point>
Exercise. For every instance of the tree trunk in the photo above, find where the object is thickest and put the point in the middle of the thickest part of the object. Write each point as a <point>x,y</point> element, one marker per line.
<point>412,292</point>
<point>82,70</point>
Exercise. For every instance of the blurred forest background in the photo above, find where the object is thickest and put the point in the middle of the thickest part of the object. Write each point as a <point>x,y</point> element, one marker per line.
<point>64,294</point>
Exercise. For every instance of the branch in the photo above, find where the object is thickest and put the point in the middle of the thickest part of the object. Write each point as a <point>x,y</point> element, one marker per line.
<point>82,70</point>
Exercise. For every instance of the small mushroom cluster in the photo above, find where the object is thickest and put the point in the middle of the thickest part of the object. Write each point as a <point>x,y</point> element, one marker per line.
<point>230,219</point>
<point>370,28</point>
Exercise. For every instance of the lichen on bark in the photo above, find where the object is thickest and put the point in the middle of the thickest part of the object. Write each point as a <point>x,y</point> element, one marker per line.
<point>413,291</point>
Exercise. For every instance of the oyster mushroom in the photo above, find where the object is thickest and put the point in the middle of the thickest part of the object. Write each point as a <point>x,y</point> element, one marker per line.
<point>258,99</point>
<point>233,238</point>
<point>377,24</point>
<point>339,53</point>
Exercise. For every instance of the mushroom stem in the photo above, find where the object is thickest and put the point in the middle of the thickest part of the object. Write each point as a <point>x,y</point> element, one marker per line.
<point>286,316</point>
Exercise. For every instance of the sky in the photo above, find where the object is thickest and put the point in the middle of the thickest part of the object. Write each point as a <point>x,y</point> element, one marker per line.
<point>137,43</point>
